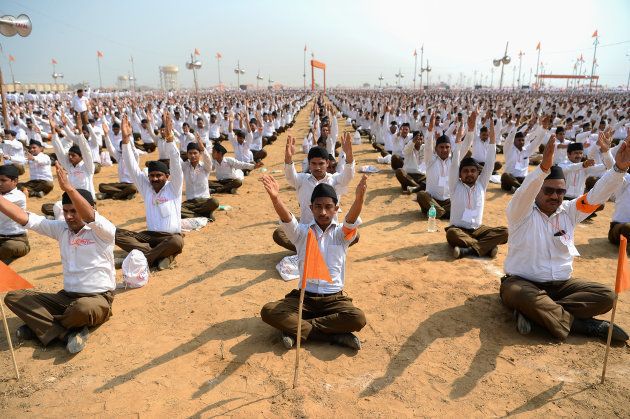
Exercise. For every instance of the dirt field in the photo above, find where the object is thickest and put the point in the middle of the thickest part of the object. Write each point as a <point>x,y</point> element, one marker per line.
<point>438,341</point>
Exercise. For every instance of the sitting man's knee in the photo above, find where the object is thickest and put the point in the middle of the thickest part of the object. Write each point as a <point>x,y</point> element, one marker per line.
<point>267,313</point>
<point>355,319</point>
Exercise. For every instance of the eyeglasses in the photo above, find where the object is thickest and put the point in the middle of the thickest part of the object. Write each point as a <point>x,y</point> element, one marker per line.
<point>550,191</point>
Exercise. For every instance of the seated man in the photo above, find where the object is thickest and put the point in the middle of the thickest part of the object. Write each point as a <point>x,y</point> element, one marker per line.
<point>86,242</point>
<point>517,155</point>
<point>12,151</point>
<point>538,284</point>
<point>13,240</point>
<point>328,314</point>
<point>124,188</point>
<point>438,161</point>
<point>162,195</point>
<point>413,173</point>
<point>620,224</point>
<point>41,182</point>
<point>304,183</point>
<point>229,171</point>
<point>467,234</point>
<point>198,202</point>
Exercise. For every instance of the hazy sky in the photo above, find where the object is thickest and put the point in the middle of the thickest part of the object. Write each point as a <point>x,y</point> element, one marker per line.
<point>358,40</point>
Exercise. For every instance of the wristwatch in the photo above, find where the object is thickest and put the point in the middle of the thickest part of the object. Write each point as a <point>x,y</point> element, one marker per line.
<point>617,169</point>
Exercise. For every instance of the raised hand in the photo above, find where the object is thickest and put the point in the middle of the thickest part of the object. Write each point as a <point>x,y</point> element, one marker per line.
<point>547,160</point>
<point>289,150</point>
<point>472,120</point>
<point>431,122</point>
<point>125,129</point>
<point>491,134</point>
<point>622,158</point>
<point>202,146</point>
<point>62,178</point>
<point>271,186</point>
<point>361,187</point>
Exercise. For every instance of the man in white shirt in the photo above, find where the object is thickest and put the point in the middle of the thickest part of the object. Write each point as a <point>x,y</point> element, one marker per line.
<point>198,201</point>
<point>467,234</point>
<point>80,106</point>
<point>13,239</point>
<point>538,284</point>
<point>124,188</point>
<point>413,173</point>
<point>12,151</point>
<point>228,170</point>
<point>329,315</point>
<point>41,179</point>
<point>161,191</point>
<point>517,155</point>
<point>620,223</point>
<point>86,242</point>
<point>304,183</point>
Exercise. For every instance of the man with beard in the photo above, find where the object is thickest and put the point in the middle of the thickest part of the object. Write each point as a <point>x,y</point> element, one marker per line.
<point>538,284</point>
<point>467,234</point>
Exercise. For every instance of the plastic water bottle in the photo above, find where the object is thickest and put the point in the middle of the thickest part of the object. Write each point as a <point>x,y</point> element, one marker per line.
<point>432,224</point>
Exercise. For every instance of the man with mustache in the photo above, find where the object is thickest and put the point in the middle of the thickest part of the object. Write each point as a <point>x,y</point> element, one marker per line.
<point>538,284</point>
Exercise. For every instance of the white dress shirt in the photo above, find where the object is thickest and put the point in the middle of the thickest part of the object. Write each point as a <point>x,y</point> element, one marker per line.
<point>39,167</point>
<point>535,252</point>
<point>8,227</point>
<point>304,183</point>
<point>164,208</point>
<point>467,203</point>
<point>517,161</point>
<point>79,104</point>
<point>414,159</point>
<point>13,152</point>
<point>575,174</point>
<point>196,178</point>
<point>87,257</point>
<point>80,176</point>
<point>438,169</point>
<point>123,172</point>
<point>622,202</point>
<point>333,245</point>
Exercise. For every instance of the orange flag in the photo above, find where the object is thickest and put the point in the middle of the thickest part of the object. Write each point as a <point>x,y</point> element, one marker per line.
<point>538,46</point>
<point>99,54</point>
<point>11,281</point>
<point>415,53</point>
<point>54,61</point>
<point>11,57</point>
<point>314,264</point>
<point>219,56</point>
<point>304,47</point>
<point>623,271</point>
<point>594,34</point>
<point>197,52</point>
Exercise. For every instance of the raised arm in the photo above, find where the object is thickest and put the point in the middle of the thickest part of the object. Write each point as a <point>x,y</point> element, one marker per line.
<point>86,154</point>
<point>273,189</point>
<point>491,155</point>
<point>84,209</point>
<point>355,210</point>
<point>128,158</point>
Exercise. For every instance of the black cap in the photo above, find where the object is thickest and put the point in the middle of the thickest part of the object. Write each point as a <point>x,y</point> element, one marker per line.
<point>468,161</point>
<point>158,166</point>
<point>76,150</point>
<point>35,142</point>
<point>192,146</point>
<point>9,171</point>
<point>317,152</point>
<point>575,147</point>
<point>219,148</point>
<point>555,173</point>
<point>239,133</point>
<point>442,139</point>
<point>324,190</point>
<point>87,195</point>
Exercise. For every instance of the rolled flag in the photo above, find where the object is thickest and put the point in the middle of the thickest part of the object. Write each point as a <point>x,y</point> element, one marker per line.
<point>623,270</point>
<point>99,54</point>
<point>197,52</point>
<point>314,264</point>
<point>219,56</point>
<point>538,46</point>
<point>53,61</point>
<point>11,57</point>
<point>594,34</point>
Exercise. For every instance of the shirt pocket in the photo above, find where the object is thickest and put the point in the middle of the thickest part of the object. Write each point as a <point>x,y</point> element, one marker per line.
<point>335,255</point>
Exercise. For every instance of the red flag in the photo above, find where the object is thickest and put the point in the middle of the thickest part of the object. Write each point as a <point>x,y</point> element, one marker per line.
<point>99,54</point>
<point>54,61</point>
<point>197,52</point>
<point>415,53</point>
<point>219,56</point>
<point>623,270</point>
<point>594,34</point>
<point>304,47</point>
<point>11,281</point>
<point>538,46</point>
<point>11,58</point>
<point>314,264</point>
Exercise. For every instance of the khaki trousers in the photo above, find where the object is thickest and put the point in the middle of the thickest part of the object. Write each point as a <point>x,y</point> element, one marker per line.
<point>554,305</point>
<point>225,185</point>
<point>50,316</point>
<point>199,207</point>
<point>616,230</point>
<point>321,315</point>
<point>482,239</point>
<point>117,190</point>
<point>508,181</point>
<point>414,180</point>
<point>35,186</point>
<point>443,208</point>
<point>155,245</point>
<point>13,247</point>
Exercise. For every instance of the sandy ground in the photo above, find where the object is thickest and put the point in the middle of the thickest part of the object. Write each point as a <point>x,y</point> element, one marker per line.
<point>438,341</point>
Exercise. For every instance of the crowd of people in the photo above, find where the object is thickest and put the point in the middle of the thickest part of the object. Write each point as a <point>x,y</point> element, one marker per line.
<point>565,157</point>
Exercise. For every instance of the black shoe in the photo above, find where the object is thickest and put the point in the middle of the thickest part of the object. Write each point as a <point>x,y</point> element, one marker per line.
<point>599,329</point>
<point>346,339</point>
<point>24,333</point>
<point>460,252</point>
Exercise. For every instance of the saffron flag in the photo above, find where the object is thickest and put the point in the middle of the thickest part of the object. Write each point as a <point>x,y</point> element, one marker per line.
<point>623,270</point>
<point>54,61</point>
<point>11,57</point>
<point>99,54</point>
<point>11,281</point>
<point>594,34</point>
<point>219,56</point>
<point>304,47</point>
<point>314,264</point>
<point>415,53</point>
<point>538,46</point>
<point>197,52</point>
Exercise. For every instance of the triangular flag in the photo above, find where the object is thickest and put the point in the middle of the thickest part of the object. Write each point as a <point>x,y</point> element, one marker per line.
<point>581,57</point>
<point>304,47</point>
<point>99,54</point>
<point>219,56</point>
<point>11,58</point>
<point>623,270</point>
<point>197,52</point>
<point>54,61</point>
<point>314,264</point>
<point>11,281</point>
<point>594,34</point>
<point>538,46</point>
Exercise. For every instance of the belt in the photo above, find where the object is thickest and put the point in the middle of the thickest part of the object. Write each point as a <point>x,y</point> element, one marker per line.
<point>13,235</point>
<point>314,294</point>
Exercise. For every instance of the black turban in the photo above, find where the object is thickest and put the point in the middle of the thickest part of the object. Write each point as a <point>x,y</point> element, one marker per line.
<point>9,171</point>
<point>219,148</point>
<point>158,166</point>
<point>324,190</point>
<point>87,195</point>
<point>575,147</point>
<point>555,173</point>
